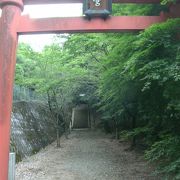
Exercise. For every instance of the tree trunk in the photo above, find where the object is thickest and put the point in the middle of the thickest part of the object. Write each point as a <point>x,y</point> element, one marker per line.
<point>117,131</point>
<point>133,126</point>
<point>58,138</point>
<point>57,131</point>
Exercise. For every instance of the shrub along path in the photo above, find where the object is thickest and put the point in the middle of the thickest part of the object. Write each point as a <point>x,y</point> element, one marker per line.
<point>86,155</point>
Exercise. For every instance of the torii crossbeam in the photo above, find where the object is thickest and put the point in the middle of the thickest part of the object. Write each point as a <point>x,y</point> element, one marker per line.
<point>28,2</point>
<point>12,23</point>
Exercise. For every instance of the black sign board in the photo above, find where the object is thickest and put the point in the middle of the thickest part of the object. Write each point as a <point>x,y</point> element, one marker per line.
<point>97,8</point>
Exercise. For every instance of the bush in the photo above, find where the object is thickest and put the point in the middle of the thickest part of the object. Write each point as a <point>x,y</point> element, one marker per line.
<point>167,153</point>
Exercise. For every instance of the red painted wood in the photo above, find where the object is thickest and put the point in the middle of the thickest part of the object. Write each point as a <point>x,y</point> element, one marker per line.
<point>80,24</point>
<point>8,39</point>
<point>18,3</point>
<point>174,10</point>
<point>28,2</point>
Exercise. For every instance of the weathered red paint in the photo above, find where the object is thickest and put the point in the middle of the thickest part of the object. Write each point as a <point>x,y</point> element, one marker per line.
<point>28,2</point>
<point>11,12</point>
<point>18,3</point>
<point>80,24</point>
<point>174,10</point>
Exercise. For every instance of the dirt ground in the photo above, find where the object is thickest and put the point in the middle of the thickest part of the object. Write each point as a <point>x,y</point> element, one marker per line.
<point>86,155</point>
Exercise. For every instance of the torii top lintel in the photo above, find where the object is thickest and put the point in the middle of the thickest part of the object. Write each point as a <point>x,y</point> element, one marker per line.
<point>29,2</point>
<point>27,25</point>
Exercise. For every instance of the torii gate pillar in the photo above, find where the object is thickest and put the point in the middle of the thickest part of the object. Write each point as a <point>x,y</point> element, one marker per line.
<point>11,13</point>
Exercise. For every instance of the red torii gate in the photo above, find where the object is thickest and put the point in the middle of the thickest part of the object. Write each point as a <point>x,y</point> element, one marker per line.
<point>12,23</point>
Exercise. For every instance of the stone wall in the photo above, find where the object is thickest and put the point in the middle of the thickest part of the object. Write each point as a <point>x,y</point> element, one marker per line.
<point>32,128</point>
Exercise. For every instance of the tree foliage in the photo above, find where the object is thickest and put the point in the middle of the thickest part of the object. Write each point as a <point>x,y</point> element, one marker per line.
<point>133,80</point>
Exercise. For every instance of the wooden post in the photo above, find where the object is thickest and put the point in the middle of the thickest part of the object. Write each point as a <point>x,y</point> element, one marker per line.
<point>72,120</point>
<point>11,13</point>
<point>12,163</point>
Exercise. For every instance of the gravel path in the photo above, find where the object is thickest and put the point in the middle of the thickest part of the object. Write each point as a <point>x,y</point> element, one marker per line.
<point>86,155</point>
